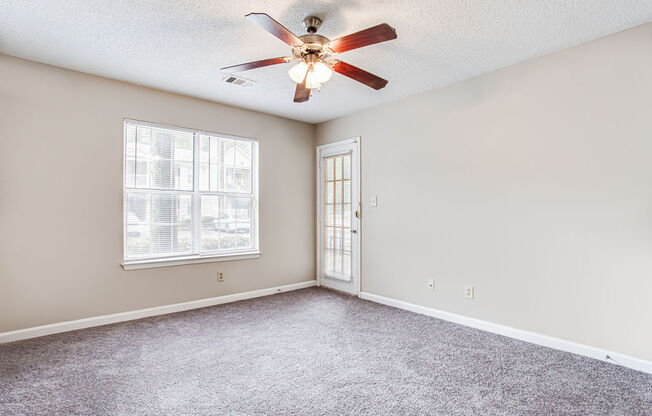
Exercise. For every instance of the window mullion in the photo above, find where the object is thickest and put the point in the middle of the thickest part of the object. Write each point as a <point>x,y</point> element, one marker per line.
<point>196,199</point>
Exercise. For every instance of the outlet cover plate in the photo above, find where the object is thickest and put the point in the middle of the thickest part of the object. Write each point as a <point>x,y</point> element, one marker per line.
<point>468,292</point>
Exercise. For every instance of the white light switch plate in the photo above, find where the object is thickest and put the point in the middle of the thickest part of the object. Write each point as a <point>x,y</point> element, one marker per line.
<point>374,201</point>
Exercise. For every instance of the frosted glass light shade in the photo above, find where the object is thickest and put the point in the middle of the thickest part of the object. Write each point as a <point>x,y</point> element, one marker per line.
<point>312,81</point>
<point>318,73</point>
<point>298,72</point>
<point>322,72</point>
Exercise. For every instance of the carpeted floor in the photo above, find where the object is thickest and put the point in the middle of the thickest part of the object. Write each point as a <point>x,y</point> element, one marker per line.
<point>308,352</point>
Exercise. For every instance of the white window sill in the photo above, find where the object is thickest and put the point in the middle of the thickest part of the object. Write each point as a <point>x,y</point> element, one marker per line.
<point>178,261</point>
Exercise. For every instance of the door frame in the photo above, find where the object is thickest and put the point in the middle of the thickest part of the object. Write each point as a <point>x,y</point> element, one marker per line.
<point>356,189</point>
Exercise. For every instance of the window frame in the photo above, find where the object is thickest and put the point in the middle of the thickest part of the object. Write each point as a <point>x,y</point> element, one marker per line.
<point>196,193</point>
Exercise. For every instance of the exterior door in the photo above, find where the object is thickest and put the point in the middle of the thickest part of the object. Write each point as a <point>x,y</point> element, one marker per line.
<point>338,224</point>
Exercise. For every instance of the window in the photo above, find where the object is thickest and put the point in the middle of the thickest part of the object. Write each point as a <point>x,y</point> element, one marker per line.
<point>189,195</point>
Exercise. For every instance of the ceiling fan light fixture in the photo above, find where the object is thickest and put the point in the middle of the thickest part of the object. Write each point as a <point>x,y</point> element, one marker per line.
<point>312,50</point>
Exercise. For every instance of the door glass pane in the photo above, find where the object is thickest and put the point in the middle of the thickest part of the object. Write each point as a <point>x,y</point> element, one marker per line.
<point>338,191</point>
<point>330,214</point>
<point>337,267</point>
<point>337,215</point>
<point>338,167</point>
<point>347,192</point>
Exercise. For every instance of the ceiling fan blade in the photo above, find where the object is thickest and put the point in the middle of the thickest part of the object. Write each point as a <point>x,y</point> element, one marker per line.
<point>359,75</point>
<point>275,28</point>
<point>302,94</point>
<point>376,34</point>
<point>257,64</point>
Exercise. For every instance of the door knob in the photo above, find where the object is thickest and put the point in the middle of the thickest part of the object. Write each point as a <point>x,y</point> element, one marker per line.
<point>354,231</point>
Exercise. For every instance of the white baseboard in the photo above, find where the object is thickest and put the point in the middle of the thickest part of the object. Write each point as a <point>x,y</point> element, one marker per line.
<point>532,337</point>
<point>39,331</point>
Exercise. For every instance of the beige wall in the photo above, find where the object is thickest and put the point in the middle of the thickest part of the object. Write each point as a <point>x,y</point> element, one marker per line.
<point>532,183</point>
<point>61,142</point>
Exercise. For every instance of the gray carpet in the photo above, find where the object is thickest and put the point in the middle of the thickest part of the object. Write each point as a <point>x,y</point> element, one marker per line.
<point>308,352</point>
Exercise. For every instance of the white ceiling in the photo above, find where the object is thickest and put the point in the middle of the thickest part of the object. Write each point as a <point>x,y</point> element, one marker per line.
<point>179,45</point>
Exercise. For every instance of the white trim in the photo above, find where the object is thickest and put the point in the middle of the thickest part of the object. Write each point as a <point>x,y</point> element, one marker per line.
<point>332,149</point>
<point>178,261</point>
<point>358,191</point>
<point>39,331</point>
<point>318,213</point>
<point>157,125</point>
<point>523,335</point>
<point>186,129</point>
<point>341,142</point>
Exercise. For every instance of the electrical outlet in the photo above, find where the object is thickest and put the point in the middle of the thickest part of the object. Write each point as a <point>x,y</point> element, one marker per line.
<point>468,292</point>
<point>220,276</point>
<point>430,284</point>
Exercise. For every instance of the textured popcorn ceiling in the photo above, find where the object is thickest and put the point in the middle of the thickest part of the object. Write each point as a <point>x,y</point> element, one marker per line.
<point>179,46</point>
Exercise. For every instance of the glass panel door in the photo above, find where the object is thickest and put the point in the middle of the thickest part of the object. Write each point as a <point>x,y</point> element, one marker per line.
<point>337,210</point>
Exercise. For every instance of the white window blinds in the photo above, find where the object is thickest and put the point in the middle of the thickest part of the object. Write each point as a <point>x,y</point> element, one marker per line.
<point>188,193</point>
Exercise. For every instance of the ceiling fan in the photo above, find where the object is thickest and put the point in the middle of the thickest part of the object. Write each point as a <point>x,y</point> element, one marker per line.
<point>315,53</point>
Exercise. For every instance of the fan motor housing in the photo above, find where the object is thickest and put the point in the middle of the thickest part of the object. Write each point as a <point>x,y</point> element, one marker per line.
<point>314,38</point>
<point>313,44</point>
